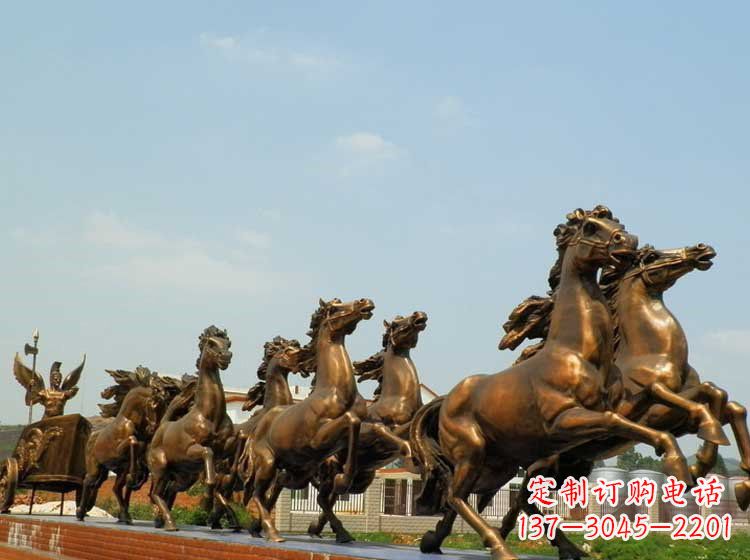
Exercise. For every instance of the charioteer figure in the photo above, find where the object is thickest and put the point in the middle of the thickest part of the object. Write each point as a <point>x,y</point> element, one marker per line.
<point>54,398</point>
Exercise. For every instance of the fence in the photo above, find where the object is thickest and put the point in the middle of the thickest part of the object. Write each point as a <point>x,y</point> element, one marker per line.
<point>306,501</point>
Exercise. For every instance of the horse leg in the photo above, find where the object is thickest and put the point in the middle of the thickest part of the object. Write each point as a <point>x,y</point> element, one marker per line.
<point>736,415</point>
<point>330,432</point>
<point>581,423</point>
<point>94,478</point>
<point>265,475</point>
<point>566,549</point>
<point>197,452</point>
<point>387,434</point>
<point>709,427</point>
<point>120,484</point>
<point>159,482</point>
<point>326,503</point>
<point>431,540</point>
<point>465,474</point>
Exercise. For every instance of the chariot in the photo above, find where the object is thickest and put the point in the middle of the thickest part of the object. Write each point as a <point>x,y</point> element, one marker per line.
<point>49,456</point>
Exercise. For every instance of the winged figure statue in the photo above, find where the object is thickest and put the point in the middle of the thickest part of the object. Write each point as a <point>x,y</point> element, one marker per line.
<point>53,399</point>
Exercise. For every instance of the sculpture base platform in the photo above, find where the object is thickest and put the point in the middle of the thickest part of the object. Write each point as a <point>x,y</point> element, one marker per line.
<point>105,539</point>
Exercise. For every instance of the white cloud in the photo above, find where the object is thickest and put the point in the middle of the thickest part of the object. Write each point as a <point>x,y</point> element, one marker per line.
<point>363,151</point>
<point>254,49</point>
<point>257,239</point>
<point>453,111</point>
<point>191,271</point>
<point>146,258</point>
<point>730,340</point>
<point>227,43</point>
<point>107,230</point>
<point>367,143</point>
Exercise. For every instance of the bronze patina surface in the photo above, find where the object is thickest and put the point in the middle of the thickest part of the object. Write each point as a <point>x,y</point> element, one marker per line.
<point>385,431</point>
<point>183,448</point>
<point>291,442</point>
<point>141,398</point>
<point>475,438</point>
<point>659,387</point>
<point>53,399</point>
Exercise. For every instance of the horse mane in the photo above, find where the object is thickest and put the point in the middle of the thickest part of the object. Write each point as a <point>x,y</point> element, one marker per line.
<point>310,365</point>
<point>371,369</point>
<point>270,349</point>
<point>183,400</point>
<point>531,318</point>
<point>125,381</point>
<point>209,332</point>
<point>255,396</point>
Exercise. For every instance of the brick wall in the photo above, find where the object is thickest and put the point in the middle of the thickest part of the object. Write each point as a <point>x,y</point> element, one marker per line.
<point>31,539</point>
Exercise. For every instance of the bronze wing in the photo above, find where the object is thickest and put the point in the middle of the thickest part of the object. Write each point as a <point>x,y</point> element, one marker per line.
<point>30,380</point>
<point>71,380</point>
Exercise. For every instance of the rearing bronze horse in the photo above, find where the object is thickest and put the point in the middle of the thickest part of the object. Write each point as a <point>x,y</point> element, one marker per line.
<point>182,448</point>
<point>141,397</point>
<point>475,438</point>
<point>296,439</point>
<point>661,389</point>
<point>384,431</point>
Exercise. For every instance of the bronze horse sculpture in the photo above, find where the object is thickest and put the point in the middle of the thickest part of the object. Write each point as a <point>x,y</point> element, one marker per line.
<point>280,357</point>
<point>385,430</point>
<point>661,389</point>
<point>290,442</point>
<point>141,398</point>
<point>475,438</point>
<point>183,448</point>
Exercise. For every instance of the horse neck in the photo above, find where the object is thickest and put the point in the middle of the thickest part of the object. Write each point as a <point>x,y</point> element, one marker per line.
<point>646,325</point>
<point>209,394</point>
<point>334,367</point>
<point>581,320</point>
<point>400,377</point>
<point>133,406</point>
<point>277,387</point>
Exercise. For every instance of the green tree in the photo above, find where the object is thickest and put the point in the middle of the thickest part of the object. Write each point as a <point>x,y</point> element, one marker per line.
<point>632,460</point>
<point>720,467</point>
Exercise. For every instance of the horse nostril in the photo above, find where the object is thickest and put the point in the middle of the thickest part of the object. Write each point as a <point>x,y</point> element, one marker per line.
<point>700,246</point>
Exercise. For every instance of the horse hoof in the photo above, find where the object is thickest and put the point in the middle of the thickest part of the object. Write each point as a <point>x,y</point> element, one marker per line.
<point>341,483</point>
<point>676,465</point>
<point>171,527</point>
<point>158,523</point>
<point>344,538</point>
<point>742,493</point>
<point>711,431</point>
<point>501,553</point>
<point>430,543</point>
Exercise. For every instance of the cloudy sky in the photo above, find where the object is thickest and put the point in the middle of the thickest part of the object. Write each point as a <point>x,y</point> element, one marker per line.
<point>168,166</point>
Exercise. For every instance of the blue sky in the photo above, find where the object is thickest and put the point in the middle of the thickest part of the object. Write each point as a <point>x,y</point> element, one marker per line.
<point>168,166</point>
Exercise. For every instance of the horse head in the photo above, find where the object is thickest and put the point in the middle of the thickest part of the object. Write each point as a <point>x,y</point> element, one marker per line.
<point>282,353</point>
<point>659,269</point>
<point>332,321</point>
<point>596,239</point>
<point>402,333</point>
<point>214,345</point>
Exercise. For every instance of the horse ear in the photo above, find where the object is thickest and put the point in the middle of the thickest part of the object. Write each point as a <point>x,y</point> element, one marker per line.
<point>321,302</point>
<point>386,324</point>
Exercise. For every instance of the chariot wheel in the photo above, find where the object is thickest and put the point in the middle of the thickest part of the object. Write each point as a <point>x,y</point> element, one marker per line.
<point>8,483</point>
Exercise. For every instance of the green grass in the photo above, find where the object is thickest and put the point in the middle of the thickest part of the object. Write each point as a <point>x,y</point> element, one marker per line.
<point>654,547</point>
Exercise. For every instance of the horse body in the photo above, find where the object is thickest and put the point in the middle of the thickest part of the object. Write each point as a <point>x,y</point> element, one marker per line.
<point>140,399</point>
<point>660,388</point>
<point>292,441</point>
<point>556,400</point>
<point>387,421</point>
<point>181,449</point>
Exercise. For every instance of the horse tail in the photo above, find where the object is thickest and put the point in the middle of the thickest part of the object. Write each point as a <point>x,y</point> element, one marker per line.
<point>436,469</point>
